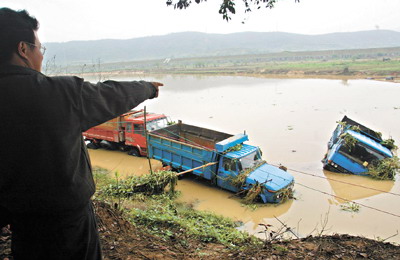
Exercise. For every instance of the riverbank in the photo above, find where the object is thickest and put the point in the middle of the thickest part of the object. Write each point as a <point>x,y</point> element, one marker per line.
<point>393,77</point>
<point>381,64</point>
<point>120,239</point>
<point>157,227</point>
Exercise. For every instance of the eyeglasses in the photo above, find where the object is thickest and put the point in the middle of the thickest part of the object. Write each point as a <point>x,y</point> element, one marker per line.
<point>41,48</point>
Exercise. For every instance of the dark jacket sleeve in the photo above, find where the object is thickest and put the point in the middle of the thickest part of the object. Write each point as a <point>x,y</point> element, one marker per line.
<point>105,100</point>
<point>5,217</point>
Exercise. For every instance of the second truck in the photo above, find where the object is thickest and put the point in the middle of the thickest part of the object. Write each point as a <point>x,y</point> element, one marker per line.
<point>125,132</point>
<point>230,163</point>
<point>357,149</point>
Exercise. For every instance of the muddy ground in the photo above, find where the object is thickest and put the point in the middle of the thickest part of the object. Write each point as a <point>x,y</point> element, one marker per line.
<point>122,240</point>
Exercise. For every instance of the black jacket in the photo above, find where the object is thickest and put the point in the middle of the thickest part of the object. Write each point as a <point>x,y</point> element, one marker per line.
<point>44,164</point>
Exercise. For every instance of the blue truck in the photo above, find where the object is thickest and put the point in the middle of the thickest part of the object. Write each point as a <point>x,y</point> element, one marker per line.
<point>353,148</point>
<point>185,147</point>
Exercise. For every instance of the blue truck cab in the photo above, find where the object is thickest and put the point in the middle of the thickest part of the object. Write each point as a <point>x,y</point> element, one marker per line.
<point>354,159</point>
<point>185,147</point>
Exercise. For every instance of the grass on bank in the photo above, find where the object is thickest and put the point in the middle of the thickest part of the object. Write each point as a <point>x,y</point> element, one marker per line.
<point>317,67</point>
<point>376,66</point>
<point>344,65</point>
<point>162,216</point>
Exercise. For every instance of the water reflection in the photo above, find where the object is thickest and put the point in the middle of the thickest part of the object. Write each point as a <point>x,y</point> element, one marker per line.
<point>210,198</point>
<point>121,162</point>
<point>353,187</point>
<point>345,82</point>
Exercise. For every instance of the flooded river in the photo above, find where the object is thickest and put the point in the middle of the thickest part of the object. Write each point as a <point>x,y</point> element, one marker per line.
<point>291,120</point>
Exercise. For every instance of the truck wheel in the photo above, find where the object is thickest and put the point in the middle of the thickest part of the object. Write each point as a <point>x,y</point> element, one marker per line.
<point>107,145</point>
<point>134,152</point>
<point>92,146</point>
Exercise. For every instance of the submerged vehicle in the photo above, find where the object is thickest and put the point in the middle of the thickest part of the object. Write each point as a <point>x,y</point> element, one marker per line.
<point>125,132</point>
<point>357,149</point>
<point>230,164</point>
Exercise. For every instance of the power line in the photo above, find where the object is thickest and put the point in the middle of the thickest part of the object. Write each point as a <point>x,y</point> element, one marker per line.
<point>313,175</point>
<point>366,206</point>
<point>297,183</point>
<point>352,184</point>
<point>309,174</point>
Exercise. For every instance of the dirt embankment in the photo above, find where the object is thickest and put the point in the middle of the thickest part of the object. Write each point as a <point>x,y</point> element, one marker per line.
<point>277,74</point>
<point>122,240</point>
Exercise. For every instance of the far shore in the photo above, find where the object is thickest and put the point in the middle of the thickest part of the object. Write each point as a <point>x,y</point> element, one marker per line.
<point>289,75</point>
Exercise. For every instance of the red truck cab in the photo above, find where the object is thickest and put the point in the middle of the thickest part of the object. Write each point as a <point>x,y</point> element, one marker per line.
<point>125,132</point>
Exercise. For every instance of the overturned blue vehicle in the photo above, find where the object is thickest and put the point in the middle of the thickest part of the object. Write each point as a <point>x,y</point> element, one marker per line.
<point>357,149</point>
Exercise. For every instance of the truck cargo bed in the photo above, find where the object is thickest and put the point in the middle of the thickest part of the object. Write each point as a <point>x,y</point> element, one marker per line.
<point>193,135</point>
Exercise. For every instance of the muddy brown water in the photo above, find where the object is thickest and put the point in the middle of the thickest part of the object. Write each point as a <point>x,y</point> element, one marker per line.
<point>291,120</point>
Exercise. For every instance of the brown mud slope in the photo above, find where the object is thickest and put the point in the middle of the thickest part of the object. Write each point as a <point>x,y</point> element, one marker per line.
<point>122,240</point>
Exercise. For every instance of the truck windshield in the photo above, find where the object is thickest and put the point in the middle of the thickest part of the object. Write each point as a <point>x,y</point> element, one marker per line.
<point>249,160</point>
<point>157,124</point>
<point>361,153</point>
<point>335,136</point>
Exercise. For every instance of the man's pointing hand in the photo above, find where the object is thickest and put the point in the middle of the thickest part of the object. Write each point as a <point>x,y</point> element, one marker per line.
<point>156,85</point>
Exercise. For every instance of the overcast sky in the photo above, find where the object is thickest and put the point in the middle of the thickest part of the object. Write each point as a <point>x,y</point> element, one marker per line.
<point>70,20</point>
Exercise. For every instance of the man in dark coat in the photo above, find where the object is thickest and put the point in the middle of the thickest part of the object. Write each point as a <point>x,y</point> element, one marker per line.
<point>46,178</point>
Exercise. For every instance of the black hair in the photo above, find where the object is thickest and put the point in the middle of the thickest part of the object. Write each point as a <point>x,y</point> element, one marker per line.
<point>15,26</point>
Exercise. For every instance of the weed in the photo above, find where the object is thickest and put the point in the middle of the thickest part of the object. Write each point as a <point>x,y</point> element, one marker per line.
<point>355,128</point>
<point>253,193</point>
<point>160,215</point>
<point>100,176</point>
<point>166,218</point>
<point>154,183</point>
<point>251,207</point>
<point>239,180</point>
<point>384,169</point>
<point>389,143</point>
<point>280,248</point>
<point>235,148</point>
<point>278,234</point>
<point>350,206</point>
<point>349,141</point>
<point>324,223</point>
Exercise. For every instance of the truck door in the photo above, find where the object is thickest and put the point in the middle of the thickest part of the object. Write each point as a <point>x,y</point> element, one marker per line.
<point>129,139</point>
<point>227,170</point>
<point>139,136</point>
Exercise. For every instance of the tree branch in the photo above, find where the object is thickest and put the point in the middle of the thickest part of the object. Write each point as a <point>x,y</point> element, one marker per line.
<point>227,7</point>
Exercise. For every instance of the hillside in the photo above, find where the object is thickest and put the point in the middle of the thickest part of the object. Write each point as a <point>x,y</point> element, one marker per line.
<point>195,44</point>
